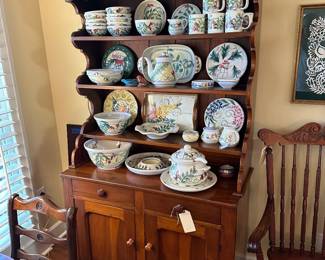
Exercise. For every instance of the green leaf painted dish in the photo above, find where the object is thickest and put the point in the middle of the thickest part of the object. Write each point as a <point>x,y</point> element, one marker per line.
<point>119,57</point>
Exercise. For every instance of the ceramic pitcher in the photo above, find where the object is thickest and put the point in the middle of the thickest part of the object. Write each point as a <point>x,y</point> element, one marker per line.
<point>213,6</point>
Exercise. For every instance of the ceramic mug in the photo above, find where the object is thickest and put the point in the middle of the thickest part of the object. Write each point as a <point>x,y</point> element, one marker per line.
<point>213,6</point>
<point>237,4</point>
<point>176,26</point>
<point>216,23</point>
<point>235,20</point>
<point>197,24</point>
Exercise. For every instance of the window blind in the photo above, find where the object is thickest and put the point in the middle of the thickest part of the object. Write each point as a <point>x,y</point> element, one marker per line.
<point>14,167</point>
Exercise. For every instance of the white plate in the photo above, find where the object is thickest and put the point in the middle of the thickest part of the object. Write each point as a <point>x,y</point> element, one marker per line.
<point>227,61</point>
<point>133,160</point>
<point>151,9</point>
<point>184,11</point>
<point>210,182</point>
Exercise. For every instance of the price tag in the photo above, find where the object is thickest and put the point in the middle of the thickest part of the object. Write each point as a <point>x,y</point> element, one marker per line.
<point>187,221</point>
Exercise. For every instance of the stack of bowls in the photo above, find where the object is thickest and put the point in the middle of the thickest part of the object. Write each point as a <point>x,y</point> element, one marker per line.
<point>96,23</point>
<point>119,19</point>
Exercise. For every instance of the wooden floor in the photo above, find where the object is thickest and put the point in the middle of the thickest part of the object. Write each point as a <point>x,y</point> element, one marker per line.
<point>58,253</point>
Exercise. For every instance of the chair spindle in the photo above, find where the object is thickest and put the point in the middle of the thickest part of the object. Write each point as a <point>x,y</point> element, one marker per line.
<point>316,204</point>
<point>282,215</point>
<point>304,203</point>
<point>293,198</point>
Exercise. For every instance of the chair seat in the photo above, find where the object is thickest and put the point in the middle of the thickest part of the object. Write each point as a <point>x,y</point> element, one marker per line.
<point>285,254</point>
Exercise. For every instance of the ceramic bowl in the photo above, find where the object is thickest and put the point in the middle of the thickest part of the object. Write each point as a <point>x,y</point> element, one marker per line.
<point>147,163</point>
<point>202,84</point>
<point>104,76</point>
<point>96,31</point>
<point>96,25</point>
<point>119,30</point>
<point>119,20</point>
<point>130,82</point>
<point>99,14</point>
<point>112,123</point>
<point>113,16</point>
<point>107,155</point>
<point>157,130</point>
<point>118,24</point>
<point>148,27</point>
<point>118,10</point>
<point>96,21</point>
<point>190,136</point>
<point>227,84</point>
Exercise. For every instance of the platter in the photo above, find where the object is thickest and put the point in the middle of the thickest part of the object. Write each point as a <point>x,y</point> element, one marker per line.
<point>224,112</point>
<point>185,63</point>
<point>133,163</point>
<point>210,182</point>
<point>122,101</point>
<point>227,61</point>
<point>119,57</point>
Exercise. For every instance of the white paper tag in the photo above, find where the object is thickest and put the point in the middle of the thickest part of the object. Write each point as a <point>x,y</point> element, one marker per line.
<point>187,221</point>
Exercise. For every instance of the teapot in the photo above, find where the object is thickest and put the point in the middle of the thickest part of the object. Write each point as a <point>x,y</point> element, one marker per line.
<point>189,167</point>
<point>163,74</point>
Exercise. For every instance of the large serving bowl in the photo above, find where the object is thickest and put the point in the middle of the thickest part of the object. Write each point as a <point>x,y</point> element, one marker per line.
<point>107,155</point>
<point>118,10</point>
<point>147,27</point>
<point>157,130</point>
<point>104,76</point>
<point>112,123</point>
<point>119,30</point>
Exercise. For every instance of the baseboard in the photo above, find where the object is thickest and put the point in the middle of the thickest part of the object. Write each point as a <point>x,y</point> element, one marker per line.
<point>245,257</point>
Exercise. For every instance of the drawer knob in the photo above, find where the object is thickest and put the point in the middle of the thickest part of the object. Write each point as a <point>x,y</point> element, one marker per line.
<point>101,193</point>
<point>130,242</point>
<point>148,247</point>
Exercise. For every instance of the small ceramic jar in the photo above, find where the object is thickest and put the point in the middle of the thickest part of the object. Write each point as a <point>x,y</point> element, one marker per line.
<point>197,24</point>
<point>210,135</point>
<point>229,138</point>
<point>189,167</point>
<point>216,23</point>
<point>190,136</point>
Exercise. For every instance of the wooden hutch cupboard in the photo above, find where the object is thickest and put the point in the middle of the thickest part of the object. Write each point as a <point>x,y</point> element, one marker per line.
<point>123,216</point>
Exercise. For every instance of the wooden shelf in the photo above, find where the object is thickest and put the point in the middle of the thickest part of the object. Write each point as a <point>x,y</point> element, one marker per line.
<point>173,141</point>
<point>238,91</point>
<point>87,38</point>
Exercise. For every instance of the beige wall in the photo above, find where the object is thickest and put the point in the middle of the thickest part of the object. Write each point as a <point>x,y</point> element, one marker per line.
<point>30,65</point>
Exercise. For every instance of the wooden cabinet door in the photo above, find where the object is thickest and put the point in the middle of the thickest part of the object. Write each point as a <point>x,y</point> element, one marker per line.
<point>104,232</point>
<point>165,240</point>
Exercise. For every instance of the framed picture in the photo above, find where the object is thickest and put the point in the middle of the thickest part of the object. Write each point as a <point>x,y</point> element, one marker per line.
<point>309,83</point>
<point>175,108</point>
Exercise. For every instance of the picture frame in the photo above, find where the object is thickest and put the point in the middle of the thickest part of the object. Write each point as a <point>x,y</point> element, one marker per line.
<point>172,108</point>
<point>309,81</point>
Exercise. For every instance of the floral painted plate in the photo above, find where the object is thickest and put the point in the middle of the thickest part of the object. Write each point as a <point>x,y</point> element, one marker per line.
<point>132,163</point>
<point>151,9</point>
<point>224,112</point>
<point>184,11</point>
<point>122,101</point>
<point>185,63</point>
<point>228,61</point>
<point>210,182</point>
<point>119,57</point>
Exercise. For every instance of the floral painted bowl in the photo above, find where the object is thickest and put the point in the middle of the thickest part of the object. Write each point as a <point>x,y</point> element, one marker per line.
<point>107,155</point>
<point>119,20</point>
<point>98,14</point>
<point>227,83</point>
<point>202,84</point>
<point>118,10</point>
<point>119,30</point>
<point>104,76</point>
<point>112,123</point>
<point>96,31</point>
<point>157,130</point>
<point>148,27</point>
<point>101,21</point>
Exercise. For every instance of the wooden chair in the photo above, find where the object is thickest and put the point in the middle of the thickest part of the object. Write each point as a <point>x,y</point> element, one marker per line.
<point>42,205</point>
<point>309,135</point>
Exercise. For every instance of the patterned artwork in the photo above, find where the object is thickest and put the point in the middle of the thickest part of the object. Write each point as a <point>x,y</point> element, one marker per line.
<point>171,108</point>
<point>310,68</point>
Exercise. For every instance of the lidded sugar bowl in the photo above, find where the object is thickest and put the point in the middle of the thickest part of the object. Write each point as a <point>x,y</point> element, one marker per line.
<point>189,167</point>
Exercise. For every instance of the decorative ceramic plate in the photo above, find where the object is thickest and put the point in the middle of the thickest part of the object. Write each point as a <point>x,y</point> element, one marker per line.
<point>122,101</point>
<point>224,112</point>
<point>151,9</point>
<point>210,182</point>
<point>184,62</point>
<point>119,57</point>
<point>184,11</point>
<point>132,163</point>
<point>228,61</point>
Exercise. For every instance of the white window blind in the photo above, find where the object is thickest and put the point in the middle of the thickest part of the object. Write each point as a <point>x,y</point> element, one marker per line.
<point>14,167</point>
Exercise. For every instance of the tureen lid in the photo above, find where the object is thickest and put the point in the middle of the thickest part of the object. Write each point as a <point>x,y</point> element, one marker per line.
<point>187,153</point>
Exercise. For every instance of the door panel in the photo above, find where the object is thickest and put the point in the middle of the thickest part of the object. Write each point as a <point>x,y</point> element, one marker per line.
<point>170,243</point>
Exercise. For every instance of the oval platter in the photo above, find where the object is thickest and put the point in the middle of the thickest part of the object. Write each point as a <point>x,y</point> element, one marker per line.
<point>119,57</point>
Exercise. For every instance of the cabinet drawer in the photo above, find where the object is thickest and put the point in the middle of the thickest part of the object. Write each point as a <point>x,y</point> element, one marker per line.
<point>104,192</point>
<point>199,210</point>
